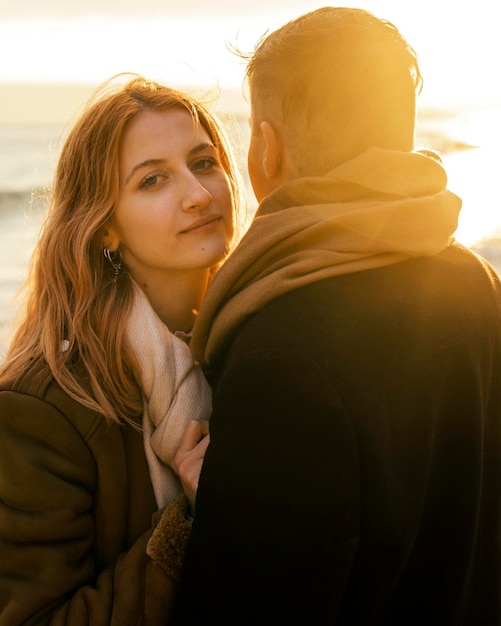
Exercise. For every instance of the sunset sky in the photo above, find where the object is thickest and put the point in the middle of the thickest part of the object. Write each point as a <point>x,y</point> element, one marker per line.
<point>55,52</point>
<point>184,42</point>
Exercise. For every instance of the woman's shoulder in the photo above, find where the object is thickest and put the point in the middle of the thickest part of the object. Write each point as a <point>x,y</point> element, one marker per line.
<point>36,386</point>
<point>34,380</point>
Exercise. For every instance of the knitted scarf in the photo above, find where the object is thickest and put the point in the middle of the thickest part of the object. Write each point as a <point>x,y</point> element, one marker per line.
<point>174,391</point>
<point>380,208</point>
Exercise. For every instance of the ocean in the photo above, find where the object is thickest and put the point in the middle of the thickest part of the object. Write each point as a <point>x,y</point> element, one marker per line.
<point>468,141</point>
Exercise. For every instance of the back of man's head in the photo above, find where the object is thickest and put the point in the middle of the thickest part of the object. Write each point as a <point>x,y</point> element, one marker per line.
<point>335,82</point>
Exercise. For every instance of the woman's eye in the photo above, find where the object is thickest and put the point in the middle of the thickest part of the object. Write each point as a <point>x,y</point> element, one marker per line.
<point>206,163</point>
<point>149,181</point>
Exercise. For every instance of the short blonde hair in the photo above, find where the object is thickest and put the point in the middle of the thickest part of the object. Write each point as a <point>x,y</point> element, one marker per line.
<point>335,81</point>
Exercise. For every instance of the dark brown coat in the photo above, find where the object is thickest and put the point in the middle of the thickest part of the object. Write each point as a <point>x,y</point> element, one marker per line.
<point>76,504</point>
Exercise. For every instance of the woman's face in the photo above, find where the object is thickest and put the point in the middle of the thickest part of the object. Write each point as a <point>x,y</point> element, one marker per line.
<point>174,212</point>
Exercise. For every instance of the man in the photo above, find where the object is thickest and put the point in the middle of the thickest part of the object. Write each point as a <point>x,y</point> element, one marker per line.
<point>354,349</point>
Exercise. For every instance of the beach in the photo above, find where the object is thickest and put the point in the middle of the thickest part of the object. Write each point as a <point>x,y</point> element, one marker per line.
<point>467,141</point>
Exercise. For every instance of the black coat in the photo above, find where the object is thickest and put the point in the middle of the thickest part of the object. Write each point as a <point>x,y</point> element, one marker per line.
<point>354,470</point>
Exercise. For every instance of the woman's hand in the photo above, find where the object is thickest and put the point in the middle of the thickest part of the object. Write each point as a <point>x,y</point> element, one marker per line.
<point>189,458</point>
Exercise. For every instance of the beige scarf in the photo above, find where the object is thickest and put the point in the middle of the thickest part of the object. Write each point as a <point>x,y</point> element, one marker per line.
<point>380,208</point>
<point>174,391</point>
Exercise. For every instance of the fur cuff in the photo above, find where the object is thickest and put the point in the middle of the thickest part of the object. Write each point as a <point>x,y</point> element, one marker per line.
<point>168,542</point>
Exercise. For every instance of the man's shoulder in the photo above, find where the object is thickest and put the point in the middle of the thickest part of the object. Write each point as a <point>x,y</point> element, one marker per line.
<point>460,256</point>
<point>443,296</point>
<point>455,271</point>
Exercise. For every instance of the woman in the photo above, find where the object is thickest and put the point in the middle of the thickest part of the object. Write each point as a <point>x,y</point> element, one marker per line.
<point>99,378</point>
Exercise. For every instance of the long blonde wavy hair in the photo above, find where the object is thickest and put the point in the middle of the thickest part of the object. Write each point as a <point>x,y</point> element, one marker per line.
<point>76,313</point>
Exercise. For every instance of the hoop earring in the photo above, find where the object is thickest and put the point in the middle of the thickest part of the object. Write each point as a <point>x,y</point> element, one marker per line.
<point>116,263</point>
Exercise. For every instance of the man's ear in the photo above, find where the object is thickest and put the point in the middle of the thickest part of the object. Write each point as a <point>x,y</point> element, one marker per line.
<point>272,154</point>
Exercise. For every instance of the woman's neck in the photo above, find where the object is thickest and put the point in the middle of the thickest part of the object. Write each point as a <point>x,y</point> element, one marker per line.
<point>177,301</point>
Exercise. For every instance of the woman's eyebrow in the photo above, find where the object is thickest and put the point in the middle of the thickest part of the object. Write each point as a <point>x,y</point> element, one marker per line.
<point>201,147</point>
<point>146,163</point>
<point>198,148</point>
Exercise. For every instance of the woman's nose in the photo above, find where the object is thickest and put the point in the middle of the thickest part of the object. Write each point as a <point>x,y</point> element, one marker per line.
<point>196,196</point>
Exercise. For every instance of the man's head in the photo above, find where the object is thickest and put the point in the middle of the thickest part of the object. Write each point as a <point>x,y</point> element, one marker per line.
<point>325,87</point>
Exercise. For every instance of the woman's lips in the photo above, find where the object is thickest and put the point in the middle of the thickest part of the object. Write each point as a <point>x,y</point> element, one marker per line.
<point>203,223</point>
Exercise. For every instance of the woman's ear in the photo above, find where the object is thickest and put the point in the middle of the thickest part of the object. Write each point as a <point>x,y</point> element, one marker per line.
<point>110,237</point>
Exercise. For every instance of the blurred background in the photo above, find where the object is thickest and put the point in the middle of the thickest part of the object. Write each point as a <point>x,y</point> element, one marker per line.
<point>56,52</point>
